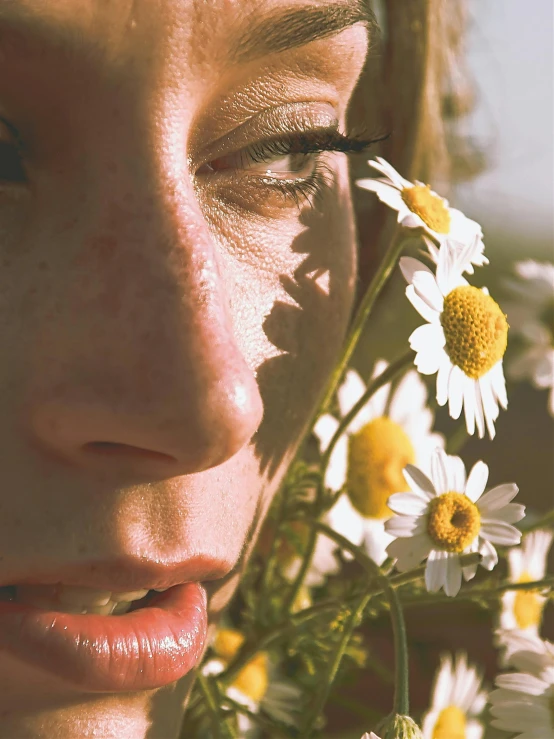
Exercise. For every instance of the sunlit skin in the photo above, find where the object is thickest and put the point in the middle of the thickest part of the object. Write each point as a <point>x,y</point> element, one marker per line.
<point>155,296</point>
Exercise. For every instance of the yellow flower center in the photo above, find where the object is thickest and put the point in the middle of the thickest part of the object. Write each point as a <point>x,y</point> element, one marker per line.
<point>453,521</point>
<point>429,207</point>
<point>451,724</point>
<point>253,680</point>
<point>475,329</point>
<point>377,453</point>
<point>528,606</point>
<point>227,643</point>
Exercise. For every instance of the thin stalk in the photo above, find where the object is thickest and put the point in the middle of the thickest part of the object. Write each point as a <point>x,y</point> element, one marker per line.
<point>401,667</point>
<point>359,555</point>
<point>334,665</point>
<point>372,293</point>
<point>306,562</point>
<point>385,377</point>
<point>221,729</point>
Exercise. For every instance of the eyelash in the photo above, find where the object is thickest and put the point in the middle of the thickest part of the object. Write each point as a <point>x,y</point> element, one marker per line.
<point>316,142</point>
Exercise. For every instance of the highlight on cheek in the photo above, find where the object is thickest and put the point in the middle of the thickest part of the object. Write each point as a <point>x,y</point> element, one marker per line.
<point>236,499</point>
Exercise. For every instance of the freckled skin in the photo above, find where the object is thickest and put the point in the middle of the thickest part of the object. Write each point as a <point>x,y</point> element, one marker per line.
<point>145,306</point>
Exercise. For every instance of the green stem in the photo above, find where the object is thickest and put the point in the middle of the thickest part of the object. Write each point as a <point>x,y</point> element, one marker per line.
<point>331,673</point>
<point>359,555</point>
<point>306,562</point>
<point>385,377</point>
<point>372,293</point>
<point>220,728</point>
<point>401,683</point>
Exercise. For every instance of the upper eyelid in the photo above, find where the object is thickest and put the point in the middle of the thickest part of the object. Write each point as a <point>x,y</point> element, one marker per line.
<point>282,120</point>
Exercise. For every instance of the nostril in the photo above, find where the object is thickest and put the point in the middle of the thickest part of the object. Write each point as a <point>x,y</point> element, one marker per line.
<point>113,449</point>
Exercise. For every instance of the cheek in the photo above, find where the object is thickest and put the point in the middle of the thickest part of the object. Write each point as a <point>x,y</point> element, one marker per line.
<point>292,292</point>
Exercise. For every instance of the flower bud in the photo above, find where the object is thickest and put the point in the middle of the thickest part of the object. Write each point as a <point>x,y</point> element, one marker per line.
<point>395,726</point>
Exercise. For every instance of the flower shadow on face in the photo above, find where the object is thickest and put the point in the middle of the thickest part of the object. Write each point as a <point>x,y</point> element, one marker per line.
<point>309,333</point>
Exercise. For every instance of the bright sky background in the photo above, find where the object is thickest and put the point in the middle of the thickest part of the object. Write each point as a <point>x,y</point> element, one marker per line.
<point>510,53</point>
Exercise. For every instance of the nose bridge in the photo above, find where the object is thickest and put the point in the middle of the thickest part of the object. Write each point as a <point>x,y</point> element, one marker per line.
<point>151,361</point>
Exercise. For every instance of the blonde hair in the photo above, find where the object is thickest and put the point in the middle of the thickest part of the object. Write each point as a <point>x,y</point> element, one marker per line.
<point>415,87</point>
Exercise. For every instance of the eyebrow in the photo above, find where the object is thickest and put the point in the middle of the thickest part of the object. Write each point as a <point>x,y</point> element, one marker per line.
<point>296,27</point>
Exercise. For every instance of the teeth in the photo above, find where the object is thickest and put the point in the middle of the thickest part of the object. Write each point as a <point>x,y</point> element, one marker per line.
<point>129,595</point>
<point>72,595</point>
<point>75,599</point>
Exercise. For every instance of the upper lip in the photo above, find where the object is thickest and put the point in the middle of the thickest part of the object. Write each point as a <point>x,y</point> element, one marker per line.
<point>130,573</point>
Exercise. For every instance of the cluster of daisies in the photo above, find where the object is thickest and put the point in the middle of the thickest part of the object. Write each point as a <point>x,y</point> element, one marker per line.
<point>397,493</point>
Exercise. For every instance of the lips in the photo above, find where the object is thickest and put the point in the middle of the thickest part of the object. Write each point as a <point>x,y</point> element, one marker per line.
<point>145,649</point>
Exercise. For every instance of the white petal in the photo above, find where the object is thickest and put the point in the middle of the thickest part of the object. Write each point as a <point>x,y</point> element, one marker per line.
<point>376,540</point>
<point>324,429</point>
<point>453,575</point>
<point>439,471</point>
<point>403,526</point>
<point>411,220</point>
<point>428,337</point>
<point>345,519</point>
<point>488,552</point>
<point>498,532</point>
<point>419,482</point>
<point>408,504</point>
<point>479,414</point>
<point>455,392</point>
<point>409,552</point>
<point>350,391</point>
<point>335,474</point>
<point>428,362</point>
<point>477,481</point>
<point>469,405</point>
<point>490,406</point>
<point>425,286</point>
<point>470,570</point>
<point>378,401</point>
<point>435,571</point>
<point>388,195</point>
<point>409,400</point>
<point>409,266</point>
<point>456,473</point>
<point>497,497</point>
<point>443,379</point>
<point>498,384</point>
<point>421,306</point>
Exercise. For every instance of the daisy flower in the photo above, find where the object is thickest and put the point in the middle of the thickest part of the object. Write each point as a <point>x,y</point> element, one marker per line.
<point>457,701</point>
<point>522,609</point>
<point>390,431</point>
<point>371,735</point>
<point>532,317</point>
<point>447,516</point>
<point>463,342</point>
<point>254,686</point>
<point>419,207</point>
<point>524,700</point>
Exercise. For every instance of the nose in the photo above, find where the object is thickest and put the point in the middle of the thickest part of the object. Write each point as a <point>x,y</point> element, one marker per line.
<point>141,368</point>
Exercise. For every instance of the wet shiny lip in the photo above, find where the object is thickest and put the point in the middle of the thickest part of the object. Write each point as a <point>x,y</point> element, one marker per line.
<point>140,650</point>
<point>144,649</point>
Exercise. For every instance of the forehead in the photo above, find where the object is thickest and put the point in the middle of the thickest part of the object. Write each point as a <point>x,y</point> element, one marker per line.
<point>203,29</point>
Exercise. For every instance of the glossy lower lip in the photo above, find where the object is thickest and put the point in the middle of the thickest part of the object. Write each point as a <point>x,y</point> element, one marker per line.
<point>141,650</point>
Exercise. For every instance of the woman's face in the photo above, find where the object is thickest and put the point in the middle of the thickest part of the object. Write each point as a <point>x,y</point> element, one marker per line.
<point>174,289</point>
